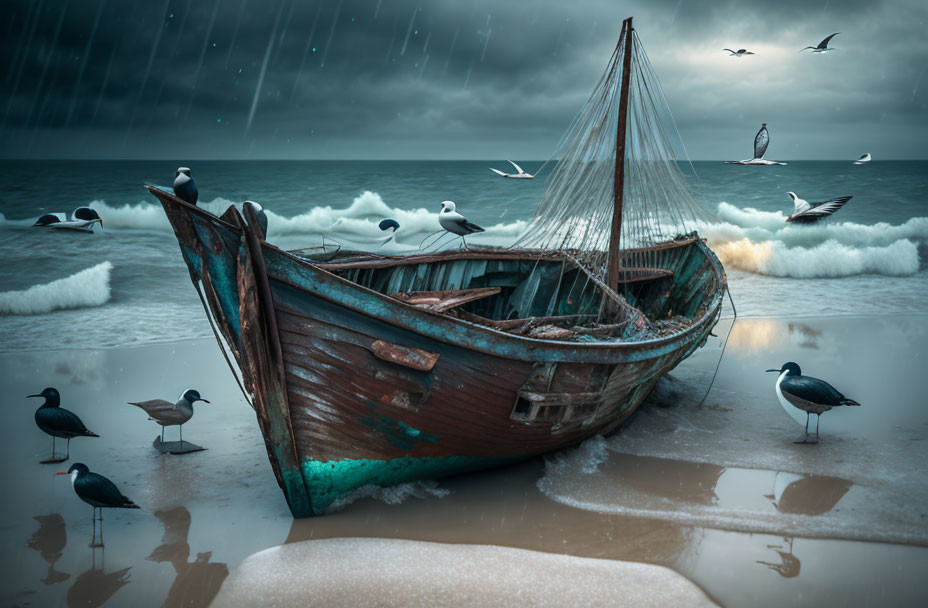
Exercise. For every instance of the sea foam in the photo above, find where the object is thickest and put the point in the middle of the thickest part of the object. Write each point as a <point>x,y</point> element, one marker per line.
<point>90,287</point>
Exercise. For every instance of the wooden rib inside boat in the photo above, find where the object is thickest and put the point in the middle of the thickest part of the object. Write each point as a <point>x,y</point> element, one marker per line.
<point>370,369</point>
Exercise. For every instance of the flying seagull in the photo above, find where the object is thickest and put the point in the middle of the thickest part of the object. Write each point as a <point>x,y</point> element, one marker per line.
<point>822,46</point>
<point>98,492</point>
<point>58,422</point>
<point>184,187</point>
<point>805,212</point>
<point>863,160</point>
<point>520,175</point>
<point>739,52</point>
<point>797,394</point>
<point>166,413</point>
<point>455,223</point>
<point>761,141</point>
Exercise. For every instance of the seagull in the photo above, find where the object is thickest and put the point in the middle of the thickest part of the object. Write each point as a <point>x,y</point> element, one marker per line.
<point>86,214</point>
<point>58,422</point>
<point>391,225</point>
<point>798,393</point>
<point>739,52</point>
<point>98,492</point>
<point>455,223</point>
<point>823,45</point>
<point>761,141</point>
<point>184,187</point>
<point>805,212</point>
<point>520,175</point>
<point>259,212</point>
<point>166,413</point>
<point>81,219</point>
<point>863,160</point>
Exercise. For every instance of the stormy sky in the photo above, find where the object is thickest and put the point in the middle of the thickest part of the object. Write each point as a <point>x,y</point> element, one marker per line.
<point>448,79</point>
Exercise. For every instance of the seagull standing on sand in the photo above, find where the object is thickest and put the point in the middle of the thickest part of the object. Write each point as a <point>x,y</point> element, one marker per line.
<point>455,223</point>
<point>805,212</point>
<point>863,160</point>
<point>520,175</point>
<point>166,413</point>
<point>797,394</point>
<point>739,52</point>
<point>58,422</point>
<point>823,45</point>
<point>184,187</point>
<point>98,492</point>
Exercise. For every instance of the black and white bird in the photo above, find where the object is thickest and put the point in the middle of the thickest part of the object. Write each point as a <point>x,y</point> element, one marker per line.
<point>184,187</point>
<point>390,226</point>
<point>98,492</point>
<point>822,46</point>
<point>805,212</point>
<point>455,223</point>
<point>800,394</point>
<point>761,141</point>
<point>738,53</point>
<point>864,159</point>
<point>53,419</point>
<point>520,175</point>
<point>81,219</point>
<point>166,413</point>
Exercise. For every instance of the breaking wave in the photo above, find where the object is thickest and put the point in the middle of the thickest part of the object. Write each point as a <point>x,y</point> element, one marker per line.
<point>762,242</point>
<point>87,288</point>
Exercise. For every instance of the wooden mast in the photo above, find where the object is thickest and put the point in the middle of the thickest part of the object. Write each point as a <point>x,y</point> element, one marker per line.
<point>612,277</point>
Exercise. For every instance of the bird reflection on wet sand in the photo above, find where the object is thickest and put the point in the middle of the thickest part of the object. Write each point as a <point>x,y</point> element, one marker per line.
<point>49,540</point>
<point>95,587</point>
<point>789,563</point>
<point>197,582</point>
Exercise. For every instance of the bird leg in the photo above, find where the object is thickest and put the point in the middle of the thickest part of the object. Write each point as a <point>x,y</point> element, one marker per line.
<point>93,541</point>
<point>464,241</point>
<point>805,437</point>
<point>68,454</point>
<point>53,460</point>
<point>162,434</point>
<point>181,429</point>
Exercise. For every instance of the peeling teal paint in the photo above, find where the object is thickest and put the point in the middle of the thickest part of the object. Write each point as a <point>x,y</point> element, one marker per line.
<point>396,432</point>
<point>334,479</point>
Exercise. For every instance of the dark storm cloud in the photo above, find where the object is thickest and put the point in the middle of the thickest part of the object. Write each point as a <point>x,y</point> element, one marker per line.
<point>446,79</point>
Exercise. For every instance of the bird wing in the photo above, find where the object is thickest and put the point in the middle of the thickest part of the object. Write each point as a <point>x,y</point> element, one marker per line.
<point>457,224</point>
<point>497,171</point>
<point>761,141</point>
<point>824,43</point>
<point>161,410</point>
<point>518,168</point>
<point>828,207</point>
<point>812,390</point>
<point>472,227</point>
<point>730,51</point>
<point>60,420</point>
<point>95,488</point>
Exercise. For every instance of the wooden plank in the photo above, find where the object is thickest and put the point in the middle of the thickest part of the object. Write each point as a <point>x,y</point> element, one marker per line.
<point>441,301</point>
<point>416,358</point>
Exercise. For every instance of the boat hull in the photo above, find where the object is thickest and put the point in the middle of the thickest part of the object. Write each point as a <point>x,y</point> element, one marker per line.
<point>352,387</point>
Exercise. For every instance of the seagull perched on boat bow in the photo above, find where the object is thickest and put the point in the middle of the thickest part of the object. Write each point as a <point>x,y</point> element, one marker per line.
<point>739,52</point>
<point>797,393</point>
<point>520,175</point>
<point>455,223</point>
<point>184,186</point>
<point>805,212</point>
<point>822,46</point>
<point>98,492</point>
<point>58,422</point>
<point>166,413</point>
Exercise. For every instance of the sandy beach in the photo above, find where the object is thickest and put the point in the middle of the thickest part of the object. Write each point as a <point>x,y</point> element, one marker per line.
<point>706,491</point>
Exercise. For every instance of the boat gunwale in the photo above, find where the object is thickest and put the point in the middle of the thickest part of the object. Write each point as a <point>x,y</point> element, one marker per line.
<point>436,318</point>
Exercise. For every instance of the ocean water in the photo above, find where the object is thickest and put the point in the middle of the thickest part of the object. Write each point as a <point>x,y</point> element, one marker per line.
<point>126,284</point>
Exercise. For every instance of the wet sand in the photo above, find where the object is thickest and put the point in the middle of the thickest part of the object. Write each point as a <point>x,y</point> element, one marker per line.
<point>681,486</point>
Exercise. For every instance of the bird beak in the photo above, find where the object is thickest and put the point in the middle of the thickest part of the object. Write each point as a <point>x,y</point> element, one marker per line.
<point>27,396</point>
<point>61,473</point>
<point>771,370</point>
<point>204,400</point>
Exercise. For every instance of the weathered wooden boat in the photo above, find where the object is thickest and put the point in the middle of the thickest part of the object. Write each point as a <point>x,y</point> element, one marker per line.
<point>371,369</point>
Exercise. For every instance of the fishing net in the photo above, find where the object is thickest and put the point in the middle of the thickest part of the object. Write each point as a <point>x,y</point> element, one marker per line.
<point>658,206</point>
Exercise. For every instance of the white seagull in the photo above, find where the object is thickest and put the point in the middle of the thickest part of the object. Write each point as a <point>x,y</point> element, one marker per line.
<point>805,212</point>
<point>455,223</point>
<point>823,45</point>
<point>520,175</point>
<point>739,52</point>
<point>761,141</point>
<point>82,219</point>
<point>863,160</point>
